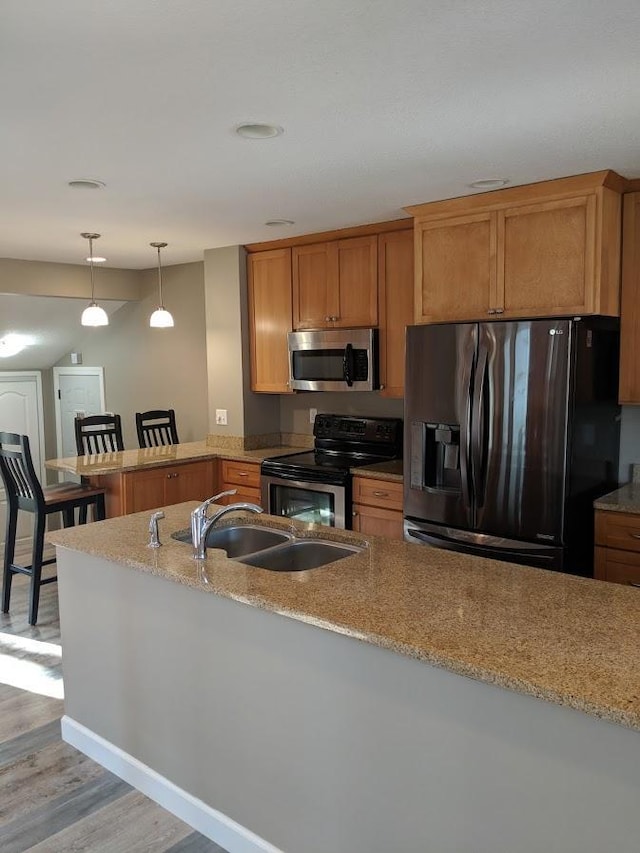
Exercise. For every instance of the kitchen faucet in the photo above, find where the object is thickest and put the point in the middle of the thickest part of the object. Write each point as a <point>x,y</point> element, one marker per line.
<point>201,523</point>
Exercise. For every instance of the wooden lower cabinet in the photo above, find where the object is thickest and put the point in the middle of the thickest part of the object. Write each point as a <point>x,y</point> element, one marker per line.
<point>154,487</point>
<point>617,553</point>
<point>242,476</point>
<point>377,507</point>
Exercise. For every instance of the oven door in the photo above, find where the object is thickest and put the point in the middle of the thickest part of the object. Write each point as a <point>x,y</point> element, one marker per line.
<point>319,503</point>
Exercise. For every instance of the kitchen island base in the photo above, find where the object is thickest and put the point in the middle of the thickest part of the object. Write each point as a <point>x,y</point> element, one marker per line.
<point>316,741</point>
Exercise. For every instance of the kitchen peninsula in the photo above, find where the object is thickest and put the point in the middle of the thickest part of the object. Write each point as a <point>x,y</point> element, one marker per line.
<point>325,710</point>
<point>136,480</point>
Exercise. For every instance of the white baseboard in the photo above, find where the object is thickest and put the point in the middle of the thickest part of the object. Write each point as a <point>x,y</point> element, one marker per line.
<point>205,819</point>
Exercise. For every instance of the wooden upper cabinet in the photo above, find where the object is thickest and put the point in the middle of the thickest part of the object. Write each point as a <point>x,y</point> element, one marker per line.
<point>547,249</point>
<point>547,258</point>
<point>395,297</point>
<point>357,282</point>
<point>630,316</point>
<point>270,312</point>
<point>455,268</point>
<point>335,284</point>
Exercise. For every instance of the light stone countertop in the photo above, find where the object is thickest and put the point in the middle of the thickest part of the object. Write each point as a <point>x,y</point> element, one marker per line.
<point>624,499</point>
<point>390,471</point>
<point>133,460</point>
<point>565,639</point>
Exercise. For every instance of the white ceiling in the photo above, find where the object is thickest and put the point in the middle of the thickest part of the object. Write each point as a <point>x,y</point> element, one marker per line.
<point>383,104</point>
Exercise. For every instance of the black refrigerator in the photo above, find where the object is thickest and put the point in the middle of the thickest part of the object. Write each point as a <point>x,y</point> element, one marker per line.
<point>512,429</point>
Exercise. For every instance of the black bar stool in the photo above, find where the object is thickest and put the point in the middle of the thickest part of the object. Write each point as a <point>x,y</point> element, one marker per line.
<point>98,434</point>
<point>24,492</point>
<point>156,428</point>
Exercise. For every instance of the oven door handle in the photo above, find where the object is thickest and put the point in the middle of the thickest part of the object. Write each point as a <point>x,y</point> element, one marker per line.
<point>347,365</point>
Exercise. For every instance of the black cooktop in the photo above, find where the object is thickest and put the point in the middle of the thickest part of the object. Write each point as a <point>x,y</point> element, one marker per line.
<point>341,443</point>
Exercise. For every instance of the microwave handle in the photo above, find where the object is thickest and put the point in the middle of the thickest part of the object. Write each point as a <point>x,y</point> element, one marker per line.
<point>347,365</point>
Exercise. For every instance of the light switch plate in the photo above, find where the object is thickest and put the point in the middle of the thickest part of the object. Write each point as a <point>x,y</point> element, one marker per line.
<point>221,417</point>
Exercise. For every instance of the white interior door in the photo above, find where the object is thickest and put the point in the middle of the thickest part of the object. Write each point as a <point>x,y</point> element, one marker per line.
<point>21,411</point>
<point>76,391</point>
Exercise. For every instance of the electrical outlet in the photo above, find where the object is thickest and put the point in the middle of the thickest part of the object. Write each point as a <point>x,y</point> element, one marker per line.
<point>312,415</point>
<point>221,417</point>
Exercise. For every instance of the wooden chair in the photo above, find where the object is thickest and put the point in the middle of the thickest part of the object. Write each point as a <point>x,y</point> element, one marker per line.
<point>157,428</point>
<point>24,492</point>
<point>98,434</point>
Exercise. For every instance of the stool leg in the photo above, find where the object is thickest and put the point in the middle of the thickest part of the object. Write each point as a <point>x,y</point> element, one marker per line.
<point>36,568</point>
<point>83,514</point>
<point>9,554</point>
<point>99,511</point>
<point>68,517</point>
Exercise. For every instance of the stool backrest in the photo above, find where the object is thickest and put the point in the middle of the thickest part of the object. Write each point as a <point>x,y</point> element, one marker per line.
<point>21,483</point>
<point>156,428</point>
<point>98,434</point>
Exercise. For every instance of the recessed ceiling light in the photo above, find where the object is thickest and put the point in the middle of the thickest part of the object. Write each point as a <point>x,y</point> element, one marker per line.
<point>96,260</point>
<point>276,222</point>
<point>259,131</point>
<point>86,184</point>
<point>489,183</point>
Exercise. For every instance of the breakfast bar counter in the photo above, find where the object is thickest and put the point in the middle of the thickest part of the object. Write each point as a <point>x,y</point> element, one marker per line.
<point>360,712</point>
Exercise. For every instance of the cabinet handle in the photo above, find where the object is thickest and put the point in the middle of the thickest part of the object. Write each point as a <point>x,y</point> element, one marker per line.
<point>636,585</point>
<point>491,311</point>
<point>635,535</point>
<point>381,494</point>
<point>354,513</point>
<point>328,319</point>
<point>499,311</point>
<point>243,474</point>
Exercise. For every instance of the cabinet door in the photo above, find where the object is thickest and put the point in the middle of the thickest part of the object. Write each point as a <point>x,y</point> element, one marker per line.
<point>374,521</point>
<point>456,268</point>
<point>192,481</point>
<point>144,489</point>
<point>547,258</point>
<point>315,271</point>
<point>630,314</point>
<point>395,294</point>
<point>270,315</point>
<point>355,301</point>
<point>617,566</point>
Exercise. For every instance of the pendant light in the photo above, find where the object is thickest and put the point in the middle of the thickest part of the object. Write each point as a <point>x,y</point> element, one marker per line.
<point>93,314</point>
<point>161,318</point>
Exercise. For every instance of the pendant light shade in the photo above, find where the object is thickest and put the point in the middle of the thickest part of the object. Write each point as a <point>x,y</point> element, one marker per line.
<point>93,314</point>
<point>161,318</point>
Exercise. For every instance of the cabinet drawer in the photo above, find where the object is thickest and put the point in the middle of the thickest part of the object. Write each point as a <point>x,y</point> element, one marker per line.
<point>247,495</point>
<point>382,493</point>
<point>245,474</point>
<point>618,530</point>
<point>618,566</point>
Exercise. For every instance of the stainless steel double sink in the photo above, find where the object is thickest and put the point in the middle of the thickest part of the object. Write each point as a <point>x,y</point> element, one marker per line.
<point>269,548</point>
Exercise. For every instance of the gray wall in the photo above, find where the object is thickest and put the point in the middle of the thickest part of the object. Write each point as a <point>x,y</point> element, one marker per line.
<point>148,368</point>
<point>228,361</point>
<point>629,441</point>
<point>294,408</point>
<point>320,742</point>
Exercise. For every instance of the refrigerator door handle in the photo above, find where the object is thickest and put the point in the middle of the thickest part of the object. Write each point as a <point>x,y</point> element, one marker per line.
<point>451,544</point>
<point>478,429</point>
<point>464,407</point>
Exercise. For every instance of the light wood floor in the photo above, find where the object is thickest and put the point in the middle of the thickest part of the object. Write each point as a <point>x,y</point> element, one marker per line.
<point>52,798</point>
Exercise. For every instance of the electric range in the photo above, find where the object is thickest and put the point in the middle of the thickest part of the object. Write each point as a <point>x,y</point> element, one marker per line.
<point>315,486</point>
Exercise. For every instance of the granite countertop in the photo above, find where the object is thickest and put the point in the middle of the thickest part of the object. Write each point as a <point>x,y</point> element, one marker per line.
<point>568,640</point>
<point>132,460</point>
<point>624,499</point>
<point>390,471</point>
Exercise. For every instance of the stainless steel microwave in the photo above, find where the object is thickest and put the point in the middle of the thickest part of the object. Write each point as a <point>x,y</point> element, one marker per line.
<point>333,360</point>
